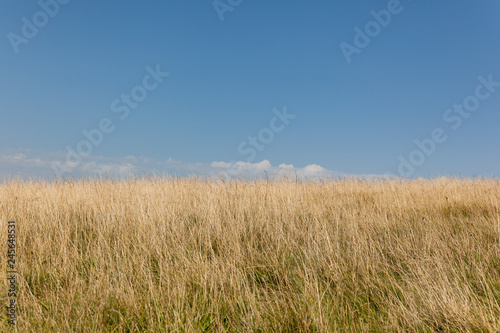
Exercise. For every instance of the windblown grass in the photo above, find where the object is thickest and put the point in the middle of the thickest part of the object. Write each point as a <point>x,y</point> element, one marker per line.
<point>191,255</point>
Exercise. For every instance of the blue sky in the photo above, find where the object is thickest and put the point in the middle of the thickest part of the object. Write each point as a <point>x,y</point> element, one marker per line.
<point>228,79</point>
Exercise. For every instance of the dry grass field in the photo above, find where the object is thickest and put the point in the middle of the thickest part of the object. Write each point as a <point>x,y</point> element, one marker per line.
<point>190,255</point>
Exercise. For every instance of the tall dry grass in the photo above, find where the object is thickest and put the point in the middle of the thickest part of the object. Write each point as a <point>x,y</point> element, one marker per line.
<point>190,255</point>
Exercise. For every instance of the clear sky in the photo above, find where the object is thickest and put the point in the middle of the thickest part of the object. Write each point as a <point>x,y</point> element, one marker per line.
<point>328,87</point>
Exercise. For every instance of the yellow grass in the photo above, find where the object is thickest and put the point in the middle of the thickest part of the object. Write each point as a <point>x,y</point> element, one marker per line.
<point>190,255</point>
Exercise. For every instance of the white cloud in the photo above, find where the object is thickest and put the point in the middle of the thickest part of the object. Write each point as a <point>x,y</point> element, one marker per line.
<point>19,156</point>
<point>314,169</point>
<point>28,163</point>
<point>264,168</point>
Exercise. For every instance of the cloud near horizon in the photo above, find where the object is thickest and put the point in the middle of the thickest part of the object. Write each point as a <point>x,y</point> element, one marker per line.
<point>27,163</point>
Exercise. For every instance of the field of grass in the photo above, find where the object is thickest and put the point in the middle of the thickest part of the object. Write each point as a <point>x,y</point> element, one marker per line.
<point>187,255</point>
